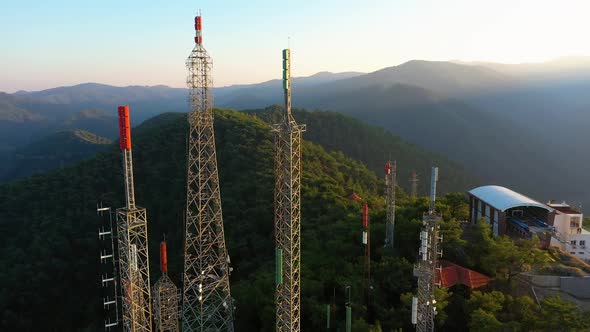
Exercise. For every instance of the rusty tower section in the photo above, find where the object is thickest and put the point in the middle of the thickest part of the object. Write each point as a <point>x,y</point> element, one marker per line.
<point>287,206</point>
<point>206,300</point>
<point>390,182</point>
<point>133,244</point>
<point>166,296</point>
<point>423,305</point>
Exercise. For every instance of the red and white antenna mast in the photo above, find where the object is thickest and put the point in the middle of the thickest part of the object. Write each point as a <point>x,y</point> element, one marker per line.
<point>133,243</point>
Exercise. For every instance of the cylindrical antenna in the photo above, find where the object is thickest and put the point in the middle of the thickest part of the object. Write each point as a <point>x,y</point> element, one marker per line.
<point>124,128</point>
<point>198,30</point>
<point>163,258</point>
<point>433,180</point>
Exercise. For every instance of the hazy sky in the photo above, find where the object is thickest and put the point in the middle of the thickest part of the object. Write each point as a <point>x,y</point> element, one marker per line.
<point>130,42</point>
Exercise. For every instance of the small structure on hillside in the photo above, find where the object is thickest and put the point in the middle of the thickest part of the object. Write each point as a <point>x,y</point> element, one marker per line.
<point>512,213</point>
<point>451,274</point>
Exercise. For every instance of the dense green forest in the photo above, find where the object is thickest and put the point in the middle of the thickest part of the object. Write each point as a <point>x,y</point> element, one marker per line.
<point>50,246</point>
<point>373,145</point>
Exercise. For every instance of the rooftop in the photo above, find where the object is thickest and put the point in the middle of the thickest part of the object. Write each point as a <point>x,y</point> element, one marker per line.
<point>564,208</point>
<point>503,198</point>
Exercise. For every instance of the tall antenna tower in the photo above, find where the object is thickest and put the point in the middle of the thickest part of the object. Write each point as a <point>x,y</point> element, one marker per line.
<point>287,206</point>
<point>133,244</point>
<point>413,184</point>
<point>390,182</point>
<point>166,297</point>
<point>423,306</point>
<point>206,300</point>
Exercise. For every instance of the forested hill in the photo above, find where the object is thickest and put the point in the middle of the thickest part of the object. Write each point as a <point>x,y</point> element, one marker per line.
<point>49,225</point>
<point>373,145</point>
<point>53,151</point>
<point>50,248</point>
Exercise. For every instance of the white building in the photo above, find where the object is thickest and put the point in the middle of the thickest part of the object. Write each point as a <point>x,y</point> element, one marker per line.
<point>569,234</point>
<point>512,213</point>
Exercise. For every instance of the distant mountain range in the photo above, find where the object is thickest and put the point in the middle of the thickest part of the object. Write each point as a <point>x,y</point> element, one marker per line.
<point>524,126</point>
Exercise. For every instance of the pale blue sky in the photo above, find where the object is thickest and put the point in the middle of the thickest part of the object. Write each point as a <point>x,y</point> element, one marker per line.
<point>131,42</point>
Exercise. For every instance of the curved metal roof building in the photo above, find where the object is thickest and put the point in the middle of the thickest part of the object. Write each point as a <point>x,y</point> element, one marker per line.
<point>503,198</point>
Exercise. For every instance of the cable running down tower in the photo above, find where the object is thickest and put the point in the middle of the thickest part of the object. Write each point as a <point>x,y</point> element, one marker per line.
<point>287,206</point>
<point>206,300</point>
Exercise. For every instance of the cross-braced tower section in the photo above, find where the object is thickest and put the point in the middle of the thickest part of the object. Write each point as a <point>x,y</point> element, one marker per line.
<point>423,305</point>
<point>287,206</point>
<point>133,244</point>
<point>206,301</point>
<point>166,298</point>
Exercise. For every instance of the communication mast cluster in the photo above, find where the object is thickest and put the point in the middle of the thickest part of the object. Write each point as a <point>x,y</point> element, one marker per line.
<point>423,305</point>
<point>205,303</point>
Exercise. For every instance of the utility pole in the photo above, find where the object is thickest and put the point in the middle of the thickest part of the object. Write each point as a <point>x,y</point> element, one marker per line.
<point>287,208</point>
<point>423,305</point>
<point>390,183</point>
<point>133,243</point>
<point>206,301</point>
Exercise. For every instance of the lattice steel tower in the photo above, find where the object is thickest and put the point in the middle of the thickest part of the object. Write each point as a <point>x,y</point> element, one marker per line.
<point>206,300</point>
<point>287,206</point>
<point>390,182</point>
<point>423,306</point>
<point>413,184</point>
<point>133,244</point>
<point>166,298</point>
